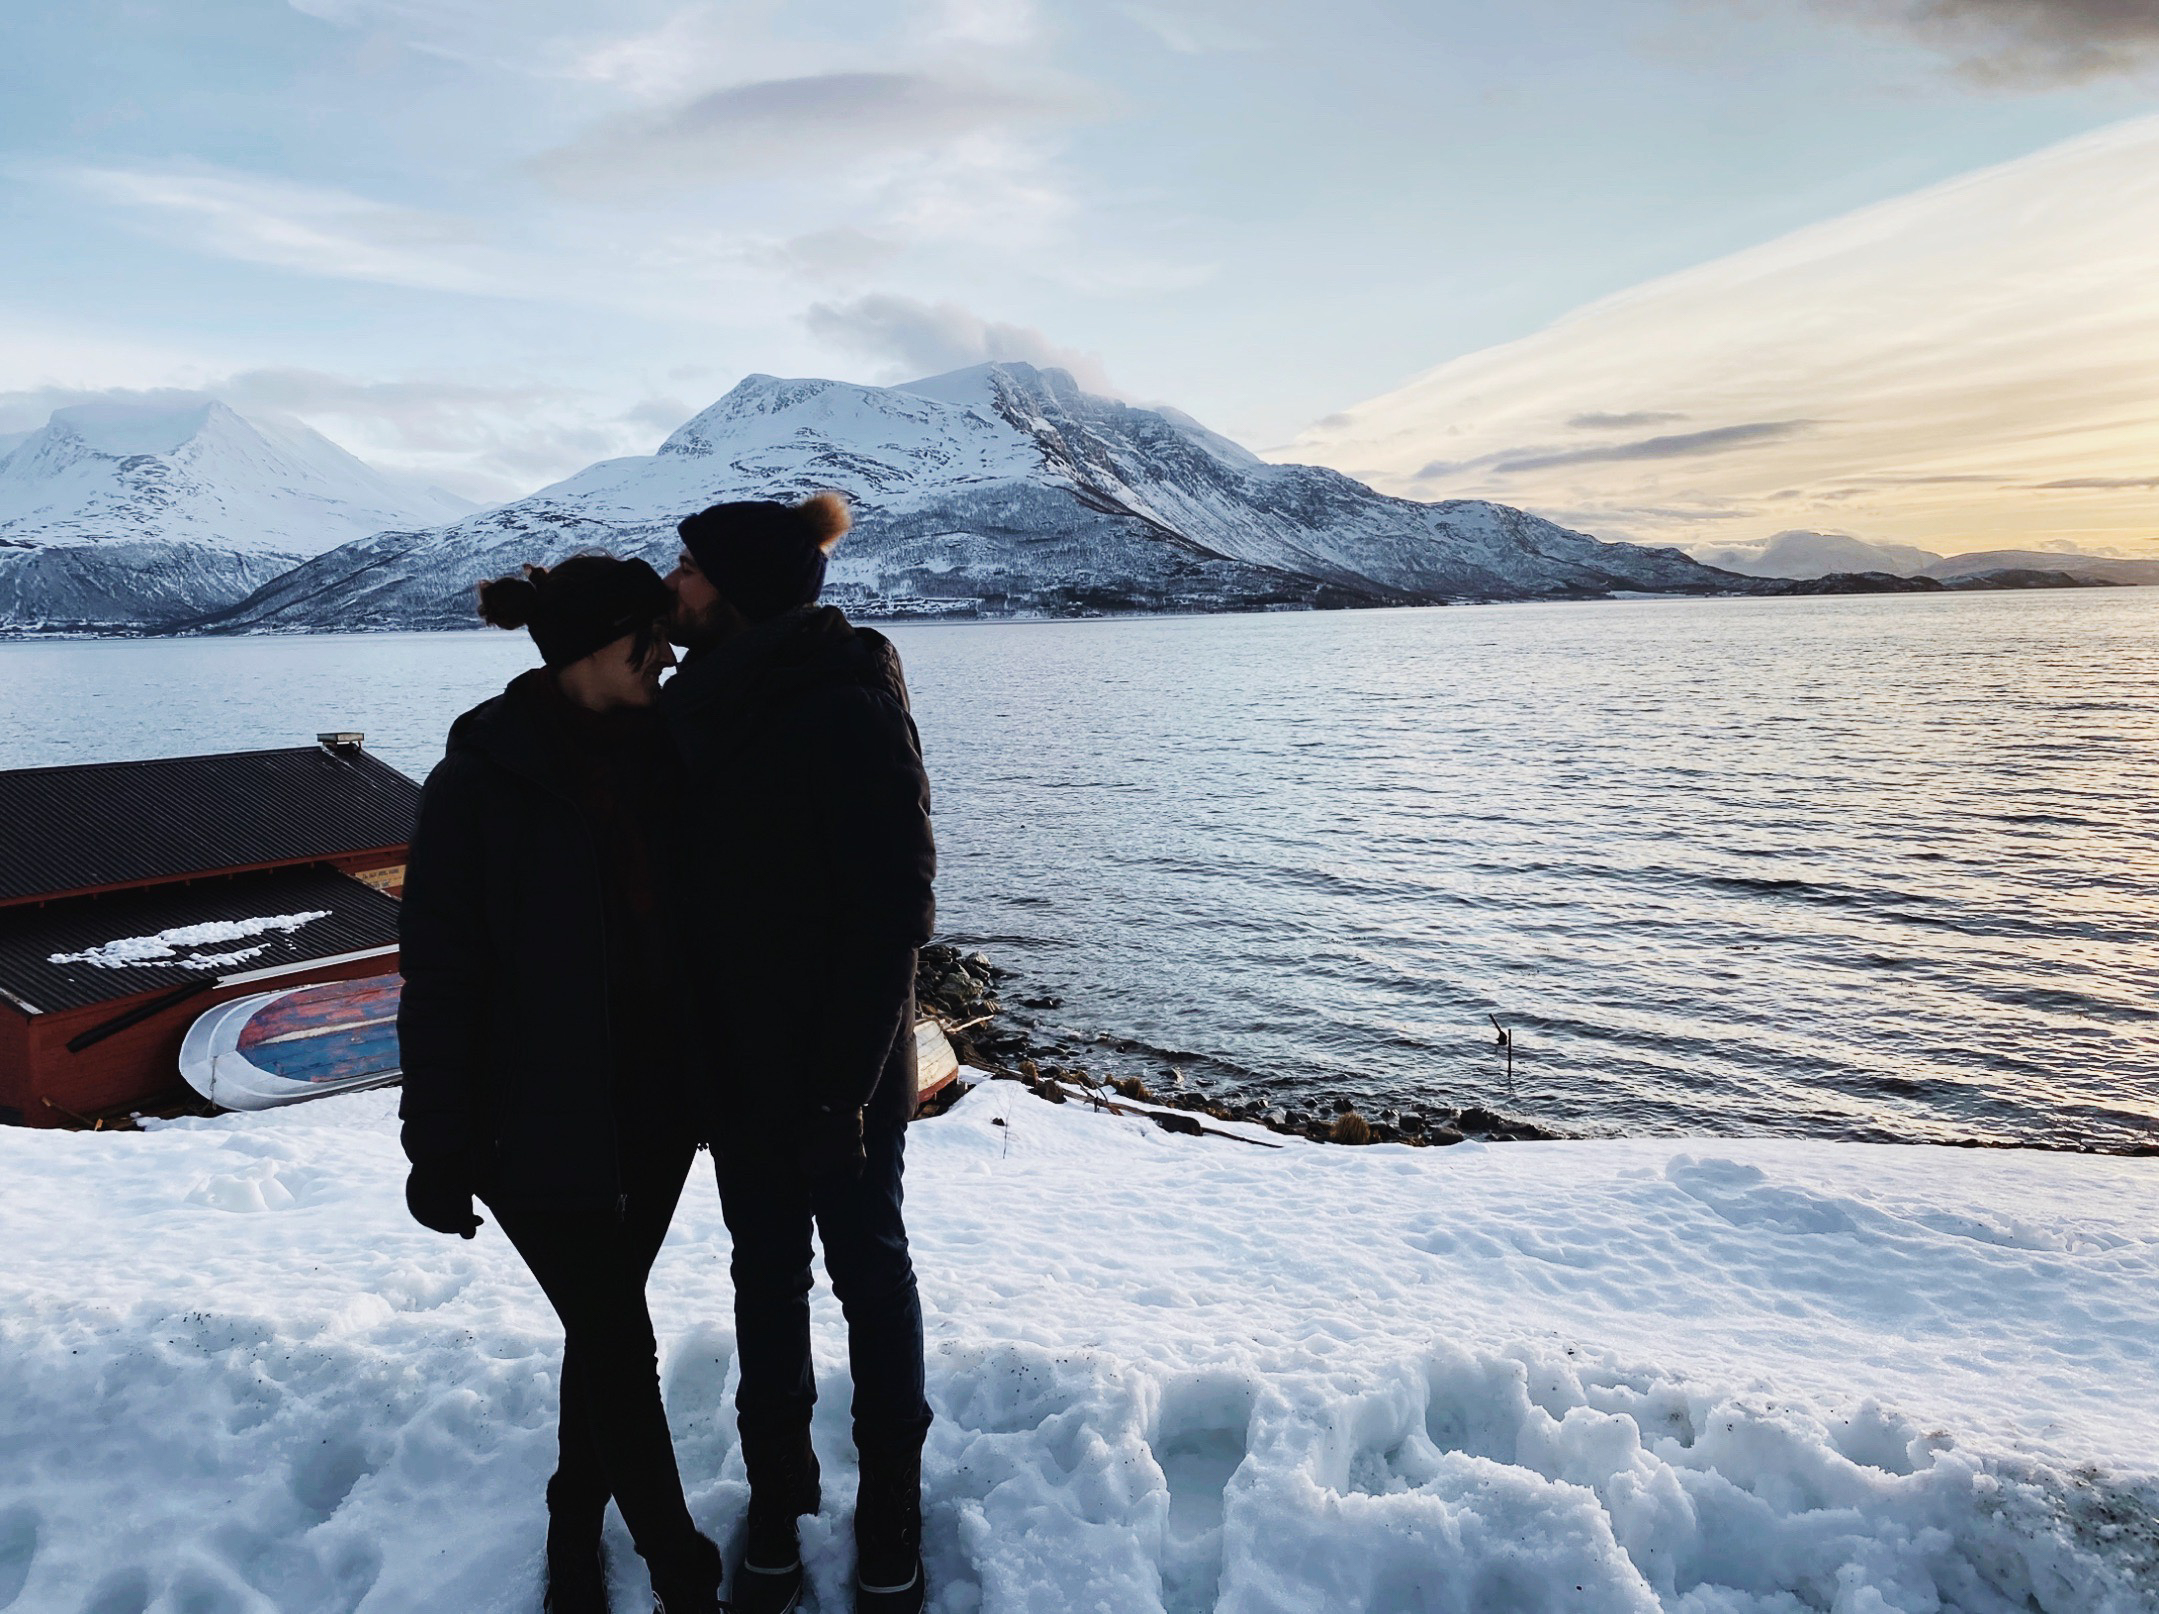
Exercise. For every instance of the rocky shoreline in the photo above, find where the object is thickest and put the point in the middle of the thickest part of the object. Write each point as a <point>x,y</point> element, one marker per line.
<point>964,992</point>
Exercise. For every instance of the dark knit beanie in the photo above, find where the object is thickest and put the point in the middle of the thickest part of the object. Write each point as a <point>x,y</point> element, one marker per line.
<point>584,604</point>
<point>766,558</point>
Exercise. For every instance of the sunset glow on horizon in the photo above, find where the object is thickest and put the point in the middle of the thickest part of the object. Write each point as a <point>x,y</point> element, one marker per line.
<point>1973,367</point>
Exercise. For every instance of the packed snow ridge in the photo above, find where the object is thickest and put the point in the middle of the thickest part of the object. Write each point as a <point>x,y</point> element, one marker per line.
<point>1169,1373</point>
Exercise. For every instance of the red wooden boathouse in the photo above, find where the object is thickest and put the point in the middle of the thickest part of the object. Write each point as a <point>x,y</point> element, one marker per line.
<point>134,895</point>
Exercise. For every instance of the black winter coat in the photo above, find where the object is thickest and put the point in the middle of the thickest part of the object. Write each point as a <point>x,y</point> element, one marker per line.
<point>534,1035</point>
<point>808,822</point>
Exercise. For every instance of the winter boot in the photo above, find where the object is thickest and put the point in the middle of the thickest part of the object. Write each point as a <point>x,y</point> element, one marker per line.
<point>690,1585</point>
<point>576,1572</point>
<point>785,1483</point>
<point>888,1534</point>
<point>576,1581</point>
<point>770,1578</point>
<point>782,1468</point>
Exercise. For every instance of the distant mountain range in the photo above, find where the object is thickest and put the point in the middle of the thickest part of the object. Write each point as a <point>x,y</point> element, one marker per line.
<point>148,514</point>
<point>995,491</point>
<point>1002,489</point>
<point>1815,554</point>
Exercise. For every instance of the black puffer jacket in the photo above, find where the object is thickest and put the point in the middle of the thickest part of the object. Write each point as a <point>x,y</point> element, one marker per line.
<point>541,1029</point>
<point>808,824</point>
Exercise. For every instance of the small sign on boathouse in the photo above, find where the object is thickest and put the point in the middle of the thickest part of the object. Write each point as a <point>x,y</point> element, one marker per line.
<point>134,895</point>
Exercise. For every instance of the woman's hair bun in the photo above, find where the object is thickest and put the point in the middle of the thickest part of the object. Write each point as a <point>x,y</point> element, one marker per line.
<point>826,518</point>
<point>508,602</point>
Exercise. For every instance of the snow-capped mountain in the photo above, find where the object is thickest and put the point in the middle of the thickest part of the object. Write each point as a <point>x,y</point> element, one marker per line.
<point>1799,554</point>
<point>1807,555</point>
<point>144,513</point>
<point>2085,568</point>
<point>998,489</point>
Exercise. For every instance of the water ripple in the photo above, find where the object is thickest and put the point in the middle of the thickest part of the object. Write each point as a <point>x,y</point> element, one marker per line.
<point>1875,868</point>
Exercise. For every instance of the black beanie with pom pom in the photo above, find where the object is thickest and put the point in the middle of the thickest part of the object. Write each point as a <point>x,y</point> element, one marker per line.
<point>581,605</point>
<point>766,558</point>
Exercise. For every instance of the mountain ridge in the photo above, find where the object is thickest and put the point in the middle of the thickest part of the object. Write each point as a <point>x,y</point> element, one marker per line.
<point>1803,556</point>
<point>997,490</point>
<point>143,513</point>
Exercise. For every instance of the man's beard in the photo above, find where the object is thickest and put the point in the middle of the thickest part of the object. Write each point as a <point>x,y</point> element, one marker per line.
<point>693,630</point>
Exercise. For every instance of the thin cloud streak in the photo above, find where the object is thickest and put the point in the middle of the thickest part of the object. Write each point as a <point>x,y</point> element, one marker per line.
<point>1192,30</point>
<point>1593,421</point>
<point>794,123</point>
<point>312,229</point>
<point>1680,445</point>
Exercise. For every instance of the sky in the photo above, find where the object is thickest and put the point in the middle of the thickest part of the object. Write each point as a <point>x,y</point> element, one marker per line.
<point>490,241</point>
<point>1972,367</point>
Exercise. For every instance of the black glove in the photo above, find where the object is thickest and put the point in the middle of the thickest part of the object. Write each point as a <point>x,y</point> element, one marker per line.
<point>439,1195</point>
<point>830,1148</point>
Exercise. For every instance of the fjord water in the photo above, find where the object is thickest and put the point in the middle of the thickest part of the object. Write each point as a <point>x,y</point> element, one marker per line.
<point>1878,867</point>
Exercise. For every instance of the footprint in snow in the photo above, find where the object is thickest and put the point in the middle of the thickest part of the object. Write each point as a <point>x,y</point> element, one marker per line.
<point>324,1474</point>
<point>1202,1436</point>
<point>124,1591</point>
<point>19,1527</point>
<point>1744,1196</point>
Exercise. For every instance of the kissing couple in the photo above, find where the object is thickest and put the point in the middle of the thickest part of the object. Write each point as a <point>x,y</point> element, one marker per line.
<point>640,921</point>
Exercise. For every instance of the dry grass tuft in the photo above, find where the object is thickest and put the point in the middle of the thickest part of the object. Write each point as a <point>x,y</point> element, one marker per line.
<point>1350,1127</point>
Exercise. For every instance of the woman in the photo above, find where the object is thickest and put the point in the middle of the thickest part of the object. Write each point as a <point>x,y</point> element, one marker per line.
<point>542,1060</point>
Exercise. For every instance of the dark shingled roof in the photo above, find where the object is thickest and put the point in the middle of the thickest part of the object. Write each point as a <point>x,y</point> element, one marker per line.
<point>356,919</point>
<point>105,824</point>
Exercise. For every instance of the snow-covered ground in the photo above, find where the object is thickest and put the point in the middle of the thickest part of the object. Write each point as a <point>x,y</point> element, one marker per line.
<point>1169,1372</point>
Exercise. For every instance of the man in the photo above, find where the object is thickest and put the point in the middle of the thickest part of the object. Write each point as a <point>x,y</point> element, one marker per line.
<point>808,824</point>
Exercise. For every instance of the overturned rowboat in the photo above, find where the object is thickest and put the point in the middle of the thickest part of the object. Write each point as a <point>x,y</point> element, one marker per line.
<point>285,1047</point>
<point>256,1053</point>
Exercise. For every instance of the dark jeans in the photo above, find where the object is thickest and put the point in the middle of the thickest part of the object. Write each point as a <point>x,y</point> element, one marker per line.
<point>592,1260</point>
<point>770,1205</point>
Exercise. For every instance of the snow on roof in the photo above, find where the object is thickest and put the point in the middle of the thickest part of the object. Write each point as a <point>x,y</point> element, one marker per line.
<point>183,945</point>
<point>64,955</point>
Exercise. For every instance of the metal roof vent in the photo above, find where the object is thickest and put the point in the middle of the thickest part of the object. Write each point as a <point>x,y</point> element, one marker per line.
<point>341,739</point>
